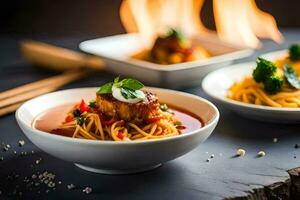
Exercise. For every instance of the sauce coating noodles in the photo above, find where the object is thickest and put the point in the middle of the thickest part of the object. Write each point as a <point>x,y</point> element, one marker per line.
<point>96,127</point>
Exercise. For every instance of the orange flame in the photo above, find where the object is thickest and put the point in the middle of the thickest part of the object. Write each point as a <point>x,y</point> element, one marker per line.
<point>241,22</point>
<point>237,21</point>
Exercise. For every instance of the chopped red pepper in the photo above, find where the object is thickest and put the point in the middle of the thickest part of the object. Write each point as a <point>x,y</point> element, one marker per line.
<point>69,118</point>
<point>120,135</point>
<point>83,107</point>
<point>154,119</point>
<point>180,127</point>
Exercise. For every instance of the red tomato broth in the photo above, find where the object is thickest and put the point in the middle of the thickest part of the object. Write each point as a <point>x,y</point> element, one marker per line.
<point>52,118</point>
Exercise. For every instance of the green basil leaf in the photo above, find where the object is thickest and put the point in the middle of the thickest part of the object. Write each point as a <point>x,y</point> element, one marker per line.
<point>116,80</point>
<point>126,94</point>
<point>138,94</point>
<point>132,94</point>
<point>291,76</point>
<point>106,88</point>
<point>131,84</point>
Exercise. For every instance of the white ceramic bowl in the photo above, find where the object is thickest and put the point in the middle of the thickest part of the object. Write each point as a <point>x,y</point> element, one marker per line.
<point>217,83</point>
<point>117,50</point>
<point>116,157</point>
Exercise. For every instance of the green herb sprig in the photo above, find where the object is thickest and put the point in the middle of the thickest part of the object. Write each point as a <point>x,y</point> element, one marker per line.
<point>93,104</point>
<point>76,113</point>
<point>80,120</point>
<point>291,76</point>
<point>130,88</point>
<point>177,35</point>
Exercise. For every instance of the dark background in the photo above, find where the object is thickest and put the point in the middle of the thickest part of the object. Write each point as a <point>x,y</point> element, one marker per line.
<point>96,18</point>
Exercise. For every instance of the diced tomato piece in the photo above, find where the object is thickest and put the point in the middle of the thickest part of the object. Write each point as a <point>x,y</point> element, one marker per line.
<point>154,119</point>
<point>120,135</point>
<point>69,118</point>
<point>180,127</point>
<point>83,107</point>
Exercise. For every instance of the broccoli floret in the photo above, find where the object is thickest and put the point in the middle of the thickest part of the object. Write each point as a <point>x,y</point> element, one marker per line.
<point>265,72</point>
<point>264,69</point>
<point>294,52</point>
<point>273,84</point>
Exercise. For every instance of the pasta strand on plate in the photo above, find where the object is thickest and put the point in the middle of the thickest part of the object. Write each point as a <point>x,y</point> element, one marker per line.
<point>271,84</point>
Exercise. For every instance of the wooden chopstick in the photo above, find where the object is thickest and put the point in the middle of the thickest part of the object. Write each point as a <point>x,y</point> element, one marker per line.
<point>58,58</point>
<point>10,100</point>
<point>52,57</point>
<point>59,79</point>
<point>10,109</point>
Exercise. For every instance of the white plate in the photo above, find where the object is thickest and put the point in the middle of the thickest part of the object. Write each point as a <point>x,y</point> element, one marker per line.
<point>112,157</point>
<point>116,51</point>
<point>274,55</point>
<point>217,83</point>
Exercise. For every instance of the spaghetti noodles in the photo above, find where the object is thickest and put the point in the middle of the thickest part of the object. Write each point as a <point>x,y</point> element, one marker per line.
<point>250,91</point>
<point>121,112</point>
<point>94,127</point>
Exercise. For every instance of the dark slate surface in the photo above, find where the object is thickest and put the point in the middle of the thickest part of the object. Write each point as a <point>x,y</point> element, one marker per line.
<point>189,177</point>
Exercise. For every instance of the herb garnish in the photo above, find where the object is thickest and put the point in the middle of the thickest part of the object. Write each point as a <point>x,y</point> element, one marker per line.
<point>291,76</point>
<point>164,107</point>
<point>76,113</point>
<point>178,123</point>
<point>80,120</point>
<point>132,94</point>
<point>131,84</point>
<point>106,88</point>
<point>92,104</point>
<point>178,35</point>
<point>129,88</point>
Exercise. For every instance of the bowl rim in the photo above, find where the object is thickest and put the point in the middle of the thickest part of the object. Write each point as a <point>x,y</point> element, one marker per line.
<point>238,53</point>
<point>246,65</point>
<point>211,123</point>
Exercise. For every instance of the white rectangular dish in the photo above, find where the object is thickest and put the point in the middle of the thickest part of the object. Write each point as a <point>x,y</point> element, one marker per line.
<point>116,52</point>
